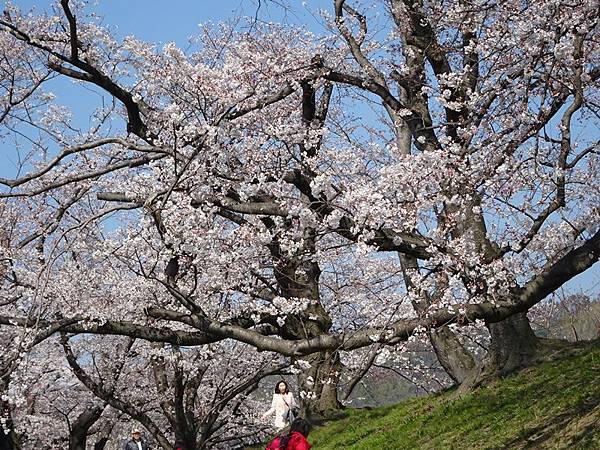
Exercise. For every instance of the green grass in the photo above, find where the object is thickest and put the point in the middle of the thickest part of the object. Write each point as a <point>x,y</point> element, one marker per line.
<point>554,405</point>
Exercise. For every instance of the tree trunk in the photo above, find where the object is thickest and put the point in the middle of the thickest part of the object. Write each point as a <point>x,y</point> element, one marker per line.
<point>513,345</point>
<point>457,361</point>
<point>7,441</point>
<point>101,444</point>
<point>81,427</point>
<point>104,435</point>
<point>189,438</point>
<point>319,386</point>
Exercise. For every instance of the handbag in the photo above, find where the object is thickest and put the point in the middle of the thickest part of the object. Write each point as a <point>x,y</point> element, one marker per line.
<point>292,413</point>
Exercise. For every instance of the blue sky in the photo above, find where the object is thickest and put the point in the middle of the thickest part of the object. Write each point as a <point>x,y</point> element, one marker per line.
<point>162,21</point>
<point>177,20</point>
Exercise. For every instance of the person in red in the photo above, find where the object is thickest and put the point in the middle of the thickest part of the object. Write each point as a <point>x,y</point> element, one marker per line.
<point>295,439</point>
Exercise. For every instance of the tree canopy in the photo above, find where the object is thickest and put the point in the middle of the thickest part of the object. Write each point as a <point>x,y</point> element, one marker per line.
<point>424,163</point>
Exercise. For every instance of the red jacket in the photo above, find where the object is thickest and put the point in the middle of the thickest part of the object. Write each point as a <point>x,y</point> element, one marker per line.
<point>296,442</point>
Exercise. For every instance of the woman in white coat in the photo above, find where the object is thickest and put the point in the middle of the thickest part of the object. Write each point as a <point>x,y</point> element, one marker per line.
<point>282,405</point>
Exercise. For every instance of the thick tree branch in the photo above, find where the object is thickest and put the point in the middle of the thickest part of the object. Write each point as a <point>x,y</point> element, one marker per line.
<point>573,263</point>
<point>120,328</point>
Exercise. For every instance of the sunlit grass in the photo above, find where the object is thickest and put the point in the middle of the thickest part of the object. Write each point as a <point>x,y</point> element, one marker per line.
<point>554,405</point>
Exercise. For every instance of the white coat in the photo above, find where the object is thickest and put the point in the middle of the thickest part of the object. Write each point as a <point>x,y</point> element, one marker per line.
<point>281,404</point>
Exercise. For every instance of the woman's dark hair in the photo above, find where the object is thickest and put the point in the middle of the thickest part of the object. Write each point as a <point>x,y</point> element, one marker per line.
<point>287,389</point>
<point>299,425</point>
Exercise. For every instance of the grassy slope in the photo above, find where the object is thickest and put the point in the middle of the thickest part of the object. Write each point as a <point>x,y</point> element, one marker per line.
<point>554,405</point>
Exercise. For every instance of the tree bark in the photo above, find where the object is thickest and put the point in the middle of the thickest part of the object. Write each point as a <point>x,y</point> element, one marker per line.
<point>298,277</point>
<point>8,441</point>
<point>456,360</point>
<point>513,345</point>
<point>101,444</point>
<point>81,426</point>
<point>319,386</point>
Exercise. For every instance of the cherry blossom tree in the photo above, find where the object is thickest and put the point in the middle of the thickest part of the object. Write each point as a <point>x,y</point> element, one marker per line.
<point>307,194</point>
<point>89,389</point>
<point>472,93</point>
<point>52,409</point>
<point>197,395</point>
